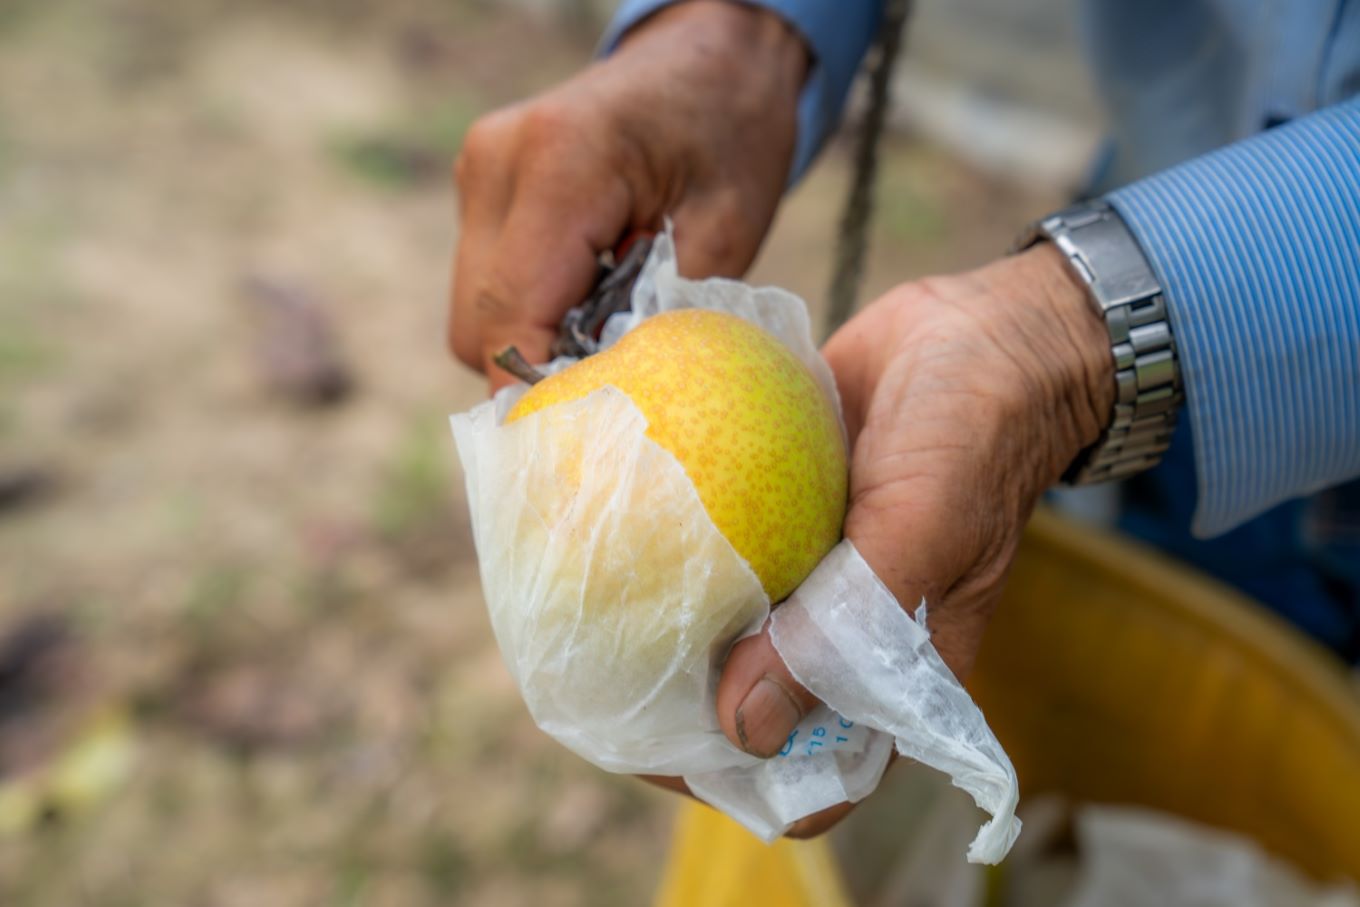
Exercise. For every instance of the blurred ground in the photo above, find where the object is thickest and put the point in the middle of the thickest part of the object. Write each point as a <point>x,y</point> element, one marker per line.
<point>243,655</point>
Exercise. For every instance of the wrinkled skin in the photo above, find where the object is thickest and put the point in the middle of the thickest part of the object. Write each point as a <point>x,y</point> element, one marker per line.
<point>965,395</point>
<point>693,117</point>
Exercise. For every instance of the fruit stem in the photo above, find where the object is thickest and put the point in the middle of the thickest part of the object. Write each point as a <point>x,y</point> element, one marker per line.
<point>512,361</point>
<point>580,333</point>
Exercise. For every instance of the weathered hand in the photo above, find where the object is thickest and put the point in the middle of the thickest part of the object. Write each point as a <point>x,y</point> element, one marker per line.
<point>694,117</point>
<point>966,397</point>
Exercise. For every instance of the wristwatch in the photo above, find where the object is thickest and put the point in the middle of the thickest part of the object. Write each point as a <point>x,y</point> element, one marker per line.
<point>1104,255</point>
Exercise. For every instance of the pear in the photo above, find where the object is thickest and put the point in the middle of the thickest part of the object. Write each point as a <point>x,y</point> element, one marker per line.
<point>745,419</point>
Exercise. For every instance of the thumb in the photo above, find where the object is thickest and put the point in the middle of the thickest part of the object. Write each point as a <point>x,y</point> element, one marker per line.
<point>759,703</point>
<point>715,236</point>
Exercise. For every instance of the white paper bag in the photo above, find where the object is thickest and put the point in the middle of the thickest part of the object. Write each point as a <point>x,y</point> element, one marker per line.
<point>621,665</point>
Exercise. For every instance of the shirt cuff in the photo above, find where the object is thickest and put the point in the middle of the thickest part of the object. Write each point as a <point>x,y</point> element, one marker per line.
<point>1256,246</point>
<point>839,35</point>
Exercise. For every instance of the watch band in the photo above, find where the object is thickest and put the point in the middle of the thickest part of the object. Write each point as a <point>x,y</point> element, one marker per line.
<point>1102,252</point>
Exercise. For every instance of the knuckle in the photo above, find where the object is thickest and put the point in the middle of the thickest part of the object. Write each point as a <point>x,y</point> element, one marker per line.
<point>528,141</point>
<point>720,246</point>
<point>926,307</point>
<point>469,156</point>
<point>545,123</point>
<point>561,145</point>
<point>486,142</point>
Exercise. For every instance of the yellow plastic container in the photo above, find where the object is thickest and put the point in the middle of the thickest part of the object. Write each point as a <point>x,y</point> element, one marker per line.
<point>714,862</point>
<point>1114,675</point>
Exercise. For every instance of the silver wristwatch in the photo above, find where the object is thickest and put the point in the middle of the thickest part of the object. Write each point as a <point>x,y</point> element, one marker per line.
<point>1102,252</point>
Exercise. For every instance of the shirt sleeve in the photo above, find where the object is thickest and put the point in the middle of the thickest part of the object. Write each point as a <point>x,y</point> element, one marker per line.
<point>1257,246</point>
<point>839,35</point>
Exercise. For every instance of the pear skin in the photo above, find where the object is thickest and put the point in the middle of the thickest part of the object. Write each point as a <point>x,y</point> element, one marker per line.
<point>745,419</point>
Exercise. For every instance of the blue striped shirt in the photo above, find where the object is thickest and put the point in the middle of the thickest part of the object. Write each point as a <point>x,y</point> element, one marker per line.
<point>1258,248</point>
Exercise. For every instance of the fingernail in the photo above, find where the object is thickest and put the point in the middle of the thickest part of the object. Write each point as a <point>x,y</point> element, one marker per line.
<point>766,718</point>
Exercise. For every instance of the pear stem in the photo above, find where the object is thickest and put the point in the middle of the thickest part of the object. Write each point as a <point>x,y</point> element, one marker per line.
<point>512,361</point>
<point>580,333</point>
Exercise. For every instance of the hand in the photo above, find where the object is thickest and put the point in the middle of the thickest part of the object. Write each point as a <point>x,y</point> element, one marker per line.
<point>694,117</point>
<point>965,397</point>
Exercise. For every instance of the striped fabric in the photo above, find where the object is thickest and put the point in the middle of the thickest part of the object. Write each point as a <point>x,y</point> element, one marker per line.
<point>839,34</point>
<point>1258,248</point>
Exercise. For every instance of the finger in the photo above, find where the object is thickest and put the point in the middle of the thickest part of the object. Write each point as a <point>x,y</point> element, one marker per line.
<point>536,274</point>
<point>716,236</point>
<point>526,265</point>
<point>532,339</point>
<point>669,782</point>
<point>475,243</point>
<point>535,267</point>
<point>484,184</point>
<point>807,827</point>
<point>914,569</point>
<point>819,822</point>
<point>546,260</point>
<point>959,619</point>
<point>759,703</point>
<point>933,531</point>
<point>916,514</point>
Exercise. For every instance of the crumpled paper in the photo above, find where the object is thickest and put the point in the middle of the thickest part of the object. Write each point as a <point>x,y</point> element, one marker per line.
<point>843,636</point>
<point>621,664</point>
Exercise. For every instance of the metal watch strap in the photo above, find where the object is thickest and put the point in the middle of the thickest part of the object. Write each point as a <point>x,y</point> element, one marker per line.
<point>1103,253</point>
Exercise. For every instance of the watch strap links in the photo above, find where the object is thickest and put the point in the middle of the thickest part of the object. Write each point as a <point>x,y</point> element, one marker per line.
<point>1104,255</point>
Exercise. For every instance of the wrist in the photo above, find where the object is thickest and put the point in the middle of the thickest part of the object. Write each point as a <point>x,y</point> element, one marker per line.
<point>739,40</point>
<point>1104,256</point>
<point>1057,333</point>
<point>1085,365</point>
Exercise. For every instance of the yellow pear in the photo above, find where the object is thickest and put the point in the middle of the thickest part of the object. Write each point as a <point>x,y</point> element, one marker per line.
<point>746,420</point>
